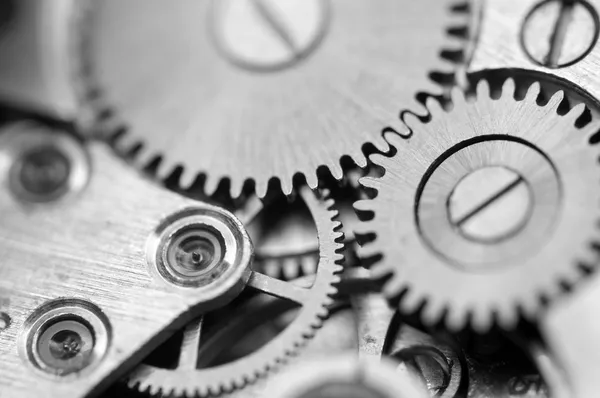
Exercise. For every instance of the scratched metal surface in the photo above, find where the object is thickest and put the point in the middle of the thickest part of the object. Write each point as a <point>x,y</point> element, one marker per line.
<point>499,45</point>
<point>88,247</point>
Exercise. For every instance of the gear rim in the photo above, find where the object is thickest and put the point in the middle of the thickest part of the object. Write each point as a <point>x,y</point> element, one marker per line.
<point>106,117</point>
<point>238,374</point>
<point>456,309</point>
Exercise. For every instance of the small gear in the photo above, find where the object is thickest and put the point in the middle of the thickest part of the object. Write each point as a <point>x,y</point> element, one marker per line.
<point>313,302</point>
<point>487,211</point>
<point>256,90</point>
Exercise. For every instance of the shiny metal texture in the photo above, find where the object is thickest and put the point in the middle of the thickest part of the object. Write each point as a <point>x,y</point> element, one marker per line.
<point>179,180</point>
<point>50,257</point>
<point>312,298</point>
<point>328,83</point>
<point>543,36</point>
<point>445,274</point>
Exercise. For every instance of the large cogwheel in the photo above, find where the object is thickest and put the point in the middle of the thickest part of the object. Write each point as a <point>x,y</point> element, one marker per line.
<point>312,302</point>
<point>487,211</point>
<point>256,90</point>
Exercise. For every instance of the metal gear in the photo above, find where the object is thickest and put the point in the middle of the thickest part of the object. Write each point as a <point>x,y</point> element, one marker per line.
<point>314,301</point>
<point>487,211</point>
<point>256,90</point>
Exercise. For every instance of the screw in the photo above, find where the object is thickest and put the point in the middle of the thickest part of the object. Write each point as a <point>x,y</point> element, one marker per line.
<point>490,204</point>
<point>269,34</point>
<point>44,172</point>
<point>559,33</point>
<point>66,346</point>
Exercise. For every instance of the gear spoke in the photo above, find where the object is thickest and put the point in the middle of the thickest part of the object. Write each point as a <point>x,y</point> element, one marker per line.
<point>188,358</point>
<point>278,288</point>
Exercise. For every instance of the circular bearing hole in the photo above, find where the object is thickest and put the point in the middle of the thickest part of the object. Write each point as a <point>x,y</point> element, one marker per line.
<point>66,336</point>
<point>204,249</point>
<point>195,251</point>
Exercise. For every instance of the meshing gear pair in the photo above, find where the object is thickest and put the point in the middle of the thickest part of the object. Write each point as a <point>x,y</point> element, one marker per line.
<point>259,90</point>
<point>487,211</point>
<point>312,301</point>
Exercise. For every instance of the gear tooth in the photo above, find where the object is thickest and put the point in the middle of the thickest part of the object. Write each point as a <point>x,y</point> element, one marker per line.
<point>411,120</point>
<point>186,179</point>
<point>529,309</point>
<point>123,143</point>
<point>458,97</point>
<point>311,180</point>
<point>105,128</point>
<point>409,302</point>
<point>481,320</point>
<point>533,92</point>
<point>369,182</point>
<point>379,270</point>
<point>576,112</point>
<point>555,100</point>
<point>309,264</point>
<point>380,159</point>
<point>364,205</point>
<point>455,320</point>
<point>336,171</point>
<point>290,269</point>
<point>507,318</point>
<point>211,183</point>
<point>508,89</point>
<point>365,228</point>
<point>330,205</point>
<point>483,89</point>
<point>446,67</point>
<point>381,144</point>
<point>271,268</point>
<point>434,107</point>
<point>430,315</point>
<point>261,187</point>
<point>394,286</point>
<point>287,186</point>
<point>236,187</point>
<point>454,43</point>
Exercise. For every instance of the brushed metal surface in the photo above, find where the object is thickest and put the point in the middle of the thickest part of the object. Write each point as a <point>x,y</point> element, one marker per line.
<point>424,271</point>
<point>499,44</point>
<point>89,246</point>
<point>311,298</point>
<point>170,80</point>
